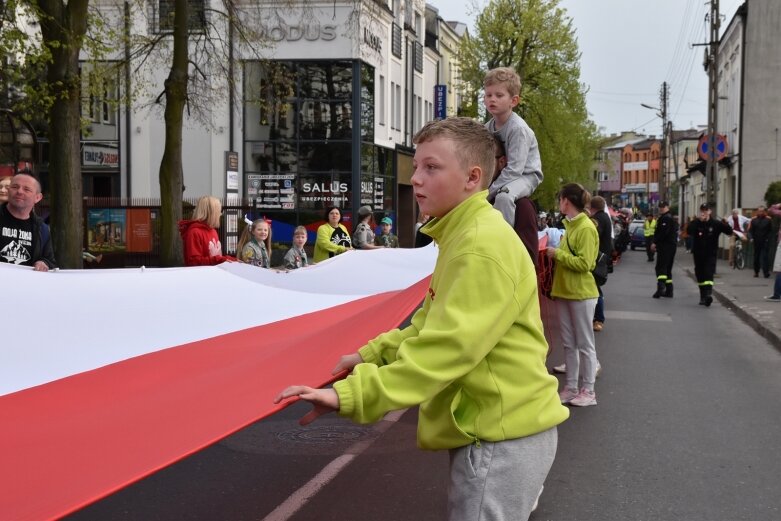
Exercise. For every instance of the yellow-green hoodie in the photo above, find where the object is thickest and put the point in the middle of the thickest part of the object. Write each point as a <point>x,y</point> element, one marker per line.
<point>575,257</point>
<point>473,356</point>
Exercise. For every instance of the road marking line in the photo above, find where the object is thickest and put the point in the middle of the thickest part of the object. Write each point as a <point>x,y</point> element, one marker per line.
<point>301,497</point>
<point>638,315</point>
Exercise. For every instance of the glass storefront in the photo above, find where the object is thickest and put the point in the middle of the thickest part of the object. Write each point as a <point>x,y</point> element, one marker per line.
<point>301,151</point>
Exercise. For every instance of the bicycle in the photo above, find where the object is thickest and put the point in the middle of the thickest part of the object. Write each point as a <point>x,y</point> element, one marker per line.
<point>739,258</point>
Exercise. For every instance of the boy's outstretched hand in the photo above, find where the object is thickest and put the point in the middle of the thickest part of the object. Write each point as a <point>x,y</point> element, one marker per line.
<point>323,401</point>
<point>346,363</point>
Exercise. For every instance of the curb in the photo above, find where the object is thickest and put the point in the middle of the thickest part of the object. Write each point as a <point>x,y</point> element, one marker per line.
<point>728,301</point>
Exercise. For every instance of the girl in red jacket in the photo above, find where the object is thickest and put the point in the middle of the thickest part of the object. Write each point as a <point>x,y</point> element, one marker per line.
<point>201,243</point>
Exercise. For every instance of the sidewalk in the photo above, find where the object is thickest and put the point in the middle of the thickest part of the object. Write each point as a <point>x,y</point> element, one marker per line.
<point>740,292</point>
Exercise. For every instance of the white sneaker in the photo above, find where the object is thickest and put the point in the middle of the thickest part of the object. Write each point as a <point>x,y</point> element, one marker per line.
<point>584,399</point>
<point>567,395</point>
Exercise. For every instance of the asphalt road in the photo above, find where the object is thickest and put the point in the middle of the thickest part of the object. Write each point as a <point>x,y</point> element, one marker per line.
<point>687,428</point>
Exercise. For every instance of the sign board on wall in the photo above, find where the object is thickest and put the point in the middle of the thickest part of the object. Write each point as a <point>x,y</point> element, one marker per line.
<point>104,155</point>
<point>272,191</point>
<point>231,199</point>
<point>637,165</point>
<point>440,101</point>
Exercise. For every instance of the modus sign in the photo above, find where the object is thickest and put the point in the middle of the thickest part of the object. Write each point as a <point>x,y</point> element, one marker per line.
<point>293,33</point>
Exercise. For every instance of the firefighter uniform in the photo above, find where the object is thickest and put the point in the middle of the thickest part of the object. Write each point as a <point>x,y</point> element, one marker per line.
<point>666,241</point>
<point>649,228</point>
<point>705,246</point>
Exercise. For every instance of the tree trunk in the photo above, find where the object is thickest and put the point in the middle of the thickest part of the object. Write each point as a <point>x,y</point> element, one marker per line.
<point>171,164</point>
<point>63,27</point>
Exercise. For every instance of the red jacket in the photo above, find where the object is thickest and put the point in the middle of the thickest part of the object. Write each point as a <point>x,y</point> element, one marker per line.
<point>200,241</point>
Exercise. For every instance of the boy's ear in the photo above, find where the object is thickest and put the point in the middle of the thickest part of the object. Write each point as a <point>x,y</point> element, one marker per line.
<point>515,100</point>
<point>474,179</point>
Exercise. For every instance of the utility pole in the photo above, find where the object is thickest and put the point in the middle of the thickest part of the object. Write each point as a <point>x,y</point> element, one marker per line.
<point>712,67</point>
<point>664,96</point>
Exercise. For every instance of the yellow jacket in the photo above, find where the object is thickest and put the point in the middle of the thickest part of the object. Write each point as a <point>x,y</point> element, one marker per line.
<point>649,227</point>
<point>575,257</point>
<point>473,356</point>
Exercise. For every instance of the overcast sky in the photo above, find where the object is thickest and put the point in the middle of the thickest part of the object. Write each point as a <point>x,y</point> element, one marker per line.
<point>653,39</point>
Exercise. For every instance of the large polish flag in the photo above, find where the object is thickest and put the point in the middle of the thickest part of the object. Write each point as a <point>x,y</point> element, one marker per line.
<point>109,375</point>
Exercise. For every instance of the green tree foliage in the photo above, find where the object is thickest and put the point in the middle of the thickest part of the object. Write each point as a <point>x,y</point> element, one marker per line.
<point>40,79</point>
<point>536,38</point>
<point>773,193</point>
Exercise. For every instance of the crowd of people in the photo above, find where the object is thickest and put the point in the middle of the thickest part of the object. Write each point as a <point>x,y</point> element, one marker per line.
<point>474,355</point>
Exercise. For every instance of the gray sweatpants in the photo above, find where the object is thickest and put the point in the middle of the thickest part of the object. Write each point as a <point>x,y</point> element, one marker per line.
<point>499,481</point>
<point>577,337</point>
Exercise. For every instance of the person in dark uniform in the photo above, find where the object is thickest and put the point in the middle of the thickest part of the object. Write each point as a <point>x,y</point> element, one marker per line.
<point>705,244</point>
<point>665,241</point>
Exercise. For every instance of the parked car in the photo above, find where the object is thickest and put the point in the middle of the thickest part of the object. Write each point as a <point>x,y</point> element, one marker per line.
<point>636,234</point>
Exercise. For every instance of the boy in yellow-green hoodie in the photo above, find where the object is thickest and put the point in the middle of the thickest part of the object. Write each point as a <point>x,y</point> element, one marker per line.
<point>473,356</point>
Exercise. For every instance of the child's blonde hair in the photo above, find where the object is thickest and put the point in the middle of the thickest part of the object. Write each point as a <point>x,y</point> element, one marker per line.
<point>300,230</point>
<point>504,76</point>
<point>248,233</point>
<point>474,144</point>
<point>208,209</point>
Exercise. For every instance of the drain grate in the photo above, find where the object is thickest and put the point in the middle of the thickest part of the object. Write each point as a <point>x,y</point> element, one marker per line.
<point>328,434</point>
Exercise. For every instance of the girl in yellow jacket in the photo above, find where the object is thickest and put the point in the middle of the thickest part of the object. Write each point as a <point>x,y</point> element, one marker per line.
<point>576,295</point>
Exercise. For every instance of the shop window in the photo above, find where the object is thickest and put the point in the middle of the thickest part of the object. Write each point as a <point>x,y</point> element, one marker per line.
<point>321,190</point>
<point>325,156</point>
<point>325,119</point>
<point>270,157</point>
<point>367,103</point>
<point>332,80</point>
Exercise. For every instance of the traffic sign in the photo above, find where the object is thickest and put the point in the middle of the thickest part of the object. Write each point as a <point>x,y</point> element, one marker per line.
<point>717,152</point>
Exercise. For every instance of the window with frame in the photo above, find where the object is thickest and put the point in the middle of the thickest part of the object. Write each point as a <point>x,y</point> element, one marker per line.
<point>196,19</point>
<point>99,102</point>
<point>381,101</point>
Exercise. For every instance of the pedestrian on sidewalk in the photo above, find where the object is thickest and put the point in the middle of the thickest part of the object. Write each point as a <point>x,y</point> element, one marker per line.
<point>705,233</point>
<point>665,242</point>
<point>473,356</point>
<point>605,232</point>
<point>775,210</point>
<point>759,231</point>
<point>575,293</point>
<point>649,227</point>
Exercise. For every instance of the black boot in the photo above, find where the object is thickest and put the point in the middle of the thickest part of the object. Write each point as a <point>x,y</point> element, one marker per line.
<point>703,293</point>
<point>659,289</point>
<point>708,295</point>
<point>668,290</point>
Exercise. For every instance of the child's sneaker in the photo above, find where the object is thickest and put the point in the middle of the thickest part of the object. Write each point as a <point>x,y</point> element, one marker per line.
<point>584,399</point>
<point>567,395</point>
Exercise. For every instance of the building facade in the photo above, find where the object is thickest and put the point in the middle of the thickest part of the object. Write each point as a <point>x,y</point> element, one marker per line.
<point>640,168</point>
<point>322,114</point>
<point>608,167</point>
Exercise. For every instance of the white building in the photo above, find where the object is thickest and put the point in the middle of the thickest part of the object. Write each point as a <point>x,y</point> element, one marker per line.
<point>324,115</point>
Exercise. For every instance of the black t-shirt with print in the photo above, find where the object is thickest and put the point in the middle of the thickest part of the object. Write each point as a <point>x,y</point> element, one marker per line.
<point>340,237</point>
<point>16,240</point>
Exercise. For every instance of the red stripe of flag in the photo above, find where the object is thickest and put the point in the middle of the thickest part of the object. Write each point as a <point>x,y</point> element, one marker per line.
<point>70,442</point>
